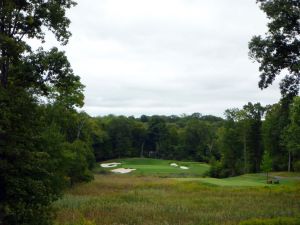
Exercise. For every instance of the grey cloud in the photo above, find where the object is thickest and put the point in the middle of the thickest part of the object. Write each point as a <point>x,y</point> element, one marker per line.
<point>166,56</point>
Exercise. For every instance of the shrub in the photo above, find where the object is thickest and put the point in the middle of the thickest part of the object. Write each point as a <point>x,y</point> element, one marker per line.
<point>297,166</point>
<point>215,169</point>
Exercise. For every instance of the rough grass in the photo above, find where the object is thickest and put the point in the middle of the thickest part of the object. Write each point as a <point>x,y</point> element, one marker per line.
<point>157,167</point>
<point>274,221</point>
<point>130,200</point>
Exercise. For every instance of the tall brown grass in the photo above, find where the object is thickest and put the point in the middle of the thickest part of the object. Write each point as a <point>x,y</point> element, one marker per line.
<point>116,200</point>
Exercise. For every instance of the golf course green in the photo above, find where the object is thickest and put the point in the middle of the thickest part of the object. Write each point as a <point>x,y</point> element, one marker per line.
<point>158,167</point>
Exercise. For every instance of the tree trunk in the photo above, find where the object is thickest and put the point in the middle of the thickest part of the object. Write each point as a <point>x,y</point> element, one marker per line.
<point>157,149</point>
<point>79,129</point>
<point>210,147</point>
<point>4,55</point>
<point>142,150</point>
<point>4,70</point>
<point>289,164</point>
<point>245,154</point>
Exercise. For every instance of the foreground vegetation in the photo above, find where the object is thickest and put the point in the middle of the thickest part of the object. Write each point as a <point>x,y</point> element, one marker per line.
<point>127,199</point>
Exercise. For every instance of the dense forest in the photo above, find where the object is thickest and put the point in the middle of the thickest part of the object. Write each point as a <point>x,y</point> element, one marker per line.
<point>47,144</point>
<point>234,145</point>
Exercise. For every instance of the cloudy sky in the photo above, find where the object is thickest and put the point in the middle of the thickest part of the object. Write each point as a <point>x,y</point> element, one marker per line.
<point>166,56</point>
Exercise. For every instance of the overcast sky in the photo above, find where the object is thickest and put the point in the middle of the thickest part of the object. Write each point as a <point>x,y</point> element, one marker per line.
<point>166,56</point>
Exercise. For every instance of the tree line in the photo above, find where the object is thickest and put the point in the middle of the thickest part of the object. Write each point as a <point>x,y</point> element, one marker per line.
<point>253,131</point>
<point>234,145</point>
<point>166,137</point>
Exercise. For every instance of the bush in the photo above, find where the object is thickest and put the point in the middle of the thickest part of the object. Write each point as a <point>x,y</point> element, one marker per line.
<point>102,171</point>
<point>297,166</point>
<point>215,169</point>
<point>274,221</point>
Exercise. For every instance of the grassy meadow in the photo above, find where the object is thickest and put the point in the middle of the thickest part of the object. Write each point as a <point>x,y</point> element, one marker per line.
<point>143,197</point>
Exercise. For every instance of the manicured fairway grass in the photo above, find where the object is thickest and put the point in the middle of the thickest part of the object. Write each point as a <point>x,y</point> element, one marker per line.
<point>157,167</point>
<point>247,180</point>
<point>132,200</point>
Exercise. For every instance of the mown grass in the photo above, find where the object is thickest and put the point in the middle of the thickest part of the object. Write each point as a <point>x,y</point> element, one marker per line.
<point>157,167</point>
<point>248,180</point>
<point>132,200</point>
<point>286,174</point>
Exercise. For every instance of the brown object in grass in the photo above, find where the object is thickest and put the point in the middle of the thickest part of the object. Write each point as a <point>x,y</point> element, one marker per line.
<point>269,181</point>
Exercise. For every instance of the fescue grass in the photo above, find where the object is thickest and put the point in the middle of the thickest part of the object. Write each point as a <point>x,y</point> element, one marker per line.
<point>147,197</point>
<point>274,221</point>
<point>132,200</point>
<point>158,167</point>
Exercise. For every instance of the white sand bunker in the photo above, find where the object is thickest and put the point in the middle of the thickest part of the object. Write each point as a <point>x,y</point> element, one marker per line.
<point>122,170</point>
<point>108,165</point>
<point>184,168</point>
<point>173,164</point>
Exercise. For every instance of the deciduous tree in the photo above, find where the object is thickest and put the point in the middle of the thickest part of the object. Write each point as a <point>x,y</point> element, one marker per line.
<point>266,164</point>
<point>279,50</point>
<point>30,173</point>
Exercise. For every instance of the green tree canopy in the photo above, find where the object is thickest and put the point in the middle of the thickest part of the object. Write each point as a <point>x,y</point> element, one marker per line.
<point>279,51</point>
<point>31,169</point>
<point>291,134</point>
